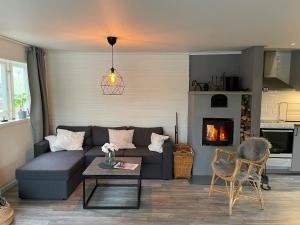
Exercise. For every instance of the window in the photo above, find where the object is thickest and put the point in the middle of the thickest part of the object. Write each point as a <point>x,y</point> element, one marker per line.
<point>3,91</point>
<point>14,89</point>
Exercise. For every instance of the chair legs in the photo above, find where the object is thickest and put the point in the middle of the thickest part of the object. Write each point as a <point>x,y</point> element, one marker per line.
<point>231,197</point>
<point>212,184</point>
<point>260,195</point>
<point>235,191</point>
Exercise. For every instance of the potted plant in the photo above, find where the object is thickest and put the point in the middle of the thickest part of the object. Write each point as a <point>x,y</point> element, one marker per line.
<point>19,102</point>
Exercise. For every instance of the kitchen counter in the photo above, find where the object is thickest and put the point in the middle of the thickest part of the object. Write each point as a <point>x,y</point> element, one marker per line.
<point>286,136</point>
<point>278,124</point>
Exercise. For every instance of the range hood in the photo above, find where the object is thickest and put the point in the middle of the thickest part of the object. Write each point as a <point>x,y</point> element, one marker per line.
<point>277,66</point>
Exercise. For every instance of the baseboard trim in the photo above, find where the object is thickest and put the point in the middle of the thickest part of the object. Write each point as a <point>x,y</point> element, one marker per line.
<point>8,186</point>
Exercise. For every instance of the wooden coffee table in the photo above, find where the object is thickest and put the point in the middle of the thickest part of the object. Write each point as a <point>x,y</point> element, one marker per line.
<point>93,171</point>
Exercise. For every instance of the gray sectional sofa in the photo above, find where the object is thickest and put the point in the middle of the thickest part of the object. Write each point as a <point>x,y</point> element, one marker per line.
<point>55,175</point>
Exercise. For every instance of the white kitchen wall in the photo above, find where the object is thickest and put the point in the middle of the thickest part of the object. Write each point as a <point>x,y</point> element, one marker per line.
<point>156,88</point>
<point>271,99</point>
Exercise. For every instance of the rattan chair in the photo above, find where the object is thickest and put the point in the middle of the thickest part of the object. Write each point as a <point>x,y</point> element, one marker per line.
<point>241,170</point>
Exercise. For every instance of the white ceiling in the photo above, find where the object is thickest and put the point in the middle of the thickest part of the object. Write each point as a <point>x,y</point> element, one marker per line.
<point>152,25</point>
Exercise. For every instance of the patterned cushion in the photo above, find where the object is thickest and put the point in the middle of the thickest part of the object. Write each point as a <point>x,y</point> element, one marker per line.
<point>223,168</point>
<point>253,148</point>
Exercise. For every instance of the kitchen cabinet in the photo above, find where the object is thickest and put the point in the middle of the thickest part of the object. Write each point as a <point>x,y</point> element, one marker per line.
<point>296,150</point>
<point>295,70</point>
<point>282,70</point>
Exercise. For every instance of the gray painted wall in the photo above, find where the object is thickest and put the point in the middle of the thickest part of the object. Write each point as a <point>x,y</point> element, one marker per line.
<point>202,67</point>
<point>199,108</point>
<point>252,70</point>
<point>250,67</point>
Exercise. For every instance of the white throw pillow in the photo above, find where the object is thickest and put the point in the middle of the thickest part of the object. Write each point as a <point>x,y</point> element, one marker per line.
<point>69,140</point>
<point>121,138</point>
<point>52,139</point>
<point>157,142</point>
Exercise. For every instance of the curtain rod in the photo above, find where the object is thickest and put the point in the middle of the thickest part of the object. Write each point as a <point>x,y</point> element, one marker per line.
<point>13,40</point>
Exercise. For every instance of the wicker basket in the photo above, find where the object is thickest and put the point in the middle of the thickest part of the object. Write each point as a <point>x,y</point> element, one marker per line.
<point>6,215</point>
<point>183,160</point>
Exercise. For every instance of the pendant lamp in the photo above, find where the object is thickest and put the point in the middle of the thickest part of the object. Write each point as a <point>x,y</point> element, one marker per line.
<point>112,83</point>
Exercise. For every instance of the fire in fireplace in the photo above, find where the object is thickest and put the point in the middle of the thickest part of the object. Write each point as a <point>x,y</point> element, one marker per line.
<point>217,131</point>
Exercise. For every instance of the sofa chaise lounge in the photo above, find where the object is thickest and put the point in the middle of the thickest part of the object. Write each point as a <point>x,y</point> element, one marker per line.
<point>55,175</point>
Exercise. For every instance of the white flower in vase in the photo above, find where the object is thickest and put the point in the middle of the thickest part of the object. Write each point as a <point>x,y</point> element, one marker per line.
<point>109,150</point>
<point>109,147</point>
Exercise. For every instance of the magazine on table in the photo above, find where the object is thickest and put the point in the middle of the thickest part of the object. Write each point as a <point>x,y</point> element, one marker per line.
<point>126,166</point>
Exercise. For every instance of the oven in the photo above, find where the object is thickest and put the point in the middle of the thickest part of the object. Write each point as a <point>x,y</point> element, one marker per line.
<point>280,138</point>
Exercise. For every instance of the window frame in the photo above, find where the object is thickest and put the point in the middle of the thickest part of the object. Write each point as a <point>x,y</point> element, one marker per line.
<point>8,65</point>
<point>8,101</point>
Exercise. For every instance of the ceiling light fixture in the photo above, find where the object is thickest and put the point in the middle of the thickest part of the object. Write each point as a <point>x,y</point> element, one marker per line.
<point>112,84</point>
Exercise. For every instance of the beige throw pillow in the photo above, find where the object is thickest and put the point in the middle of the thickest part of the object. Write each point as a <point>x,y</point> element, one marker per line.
<point>52,139</point>
<point>121,138</point>
<point>157,142</point>
<point>69,140</point>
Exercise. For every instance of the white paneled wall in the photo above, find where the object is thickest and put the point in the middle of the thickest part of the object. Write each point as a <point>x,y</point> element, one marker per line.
<point>156,88</point>
<point>270,102</point>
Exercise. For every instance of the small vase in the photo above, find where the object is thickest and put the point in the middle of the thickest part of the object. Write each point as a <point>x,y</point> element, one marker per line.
<point>110,158</point>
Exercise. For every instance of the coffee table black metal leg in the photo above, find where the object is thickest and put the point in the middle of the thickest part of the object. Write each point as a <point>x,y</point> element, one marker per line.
<point>86,201</point>
<point>90,196</point>
<point>139,192</point>
<point>83,192</point>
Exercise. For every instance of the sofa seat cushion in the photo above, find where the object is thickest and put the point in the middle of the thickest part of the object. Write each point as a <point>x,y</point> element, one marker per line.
<point>148,157</point>
<point>97,152</point>
<point>52,166</point>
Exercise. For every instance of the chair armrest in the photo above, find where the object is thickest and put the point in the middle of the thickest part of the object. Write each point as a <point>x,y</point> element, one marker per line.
<point>167,160</point>
<point>41,148</point>
<point>250,167</point>
<point>249,162</point>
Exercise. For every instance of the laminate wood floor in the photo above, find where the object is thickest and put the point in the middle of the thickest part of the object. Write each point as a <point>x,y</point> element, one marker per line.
<point>167,203</point>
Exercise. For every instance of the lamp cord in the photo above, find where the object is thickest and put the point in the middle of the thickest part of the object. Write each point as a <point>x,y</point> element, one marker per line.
<point>112,56</point>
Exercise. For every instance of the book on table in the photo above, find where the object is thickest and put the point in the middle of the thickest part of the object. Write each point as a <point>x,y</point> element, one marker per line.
<point>126,166</point>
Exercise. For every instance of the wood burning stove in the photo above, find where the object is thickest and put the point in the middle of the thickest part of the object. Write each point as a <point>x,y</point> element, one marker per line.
<point>217,131</point>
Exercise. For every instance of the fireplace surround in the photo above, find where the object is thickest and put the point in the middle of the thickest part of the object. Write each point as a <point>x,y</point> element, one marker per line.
<point>217,131</point>
<point>200,112</point>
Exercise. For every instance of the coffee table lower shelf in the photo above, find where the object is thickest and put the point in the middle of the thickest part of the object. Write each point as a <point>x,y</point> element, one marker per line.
<point>86,201</point>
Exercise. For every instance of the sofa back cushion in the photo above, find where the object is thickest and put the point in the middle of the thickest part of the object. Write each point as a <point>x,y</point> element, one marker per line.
<point>142,135</point>
<point>101,136</point>
<point>87,129</point>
